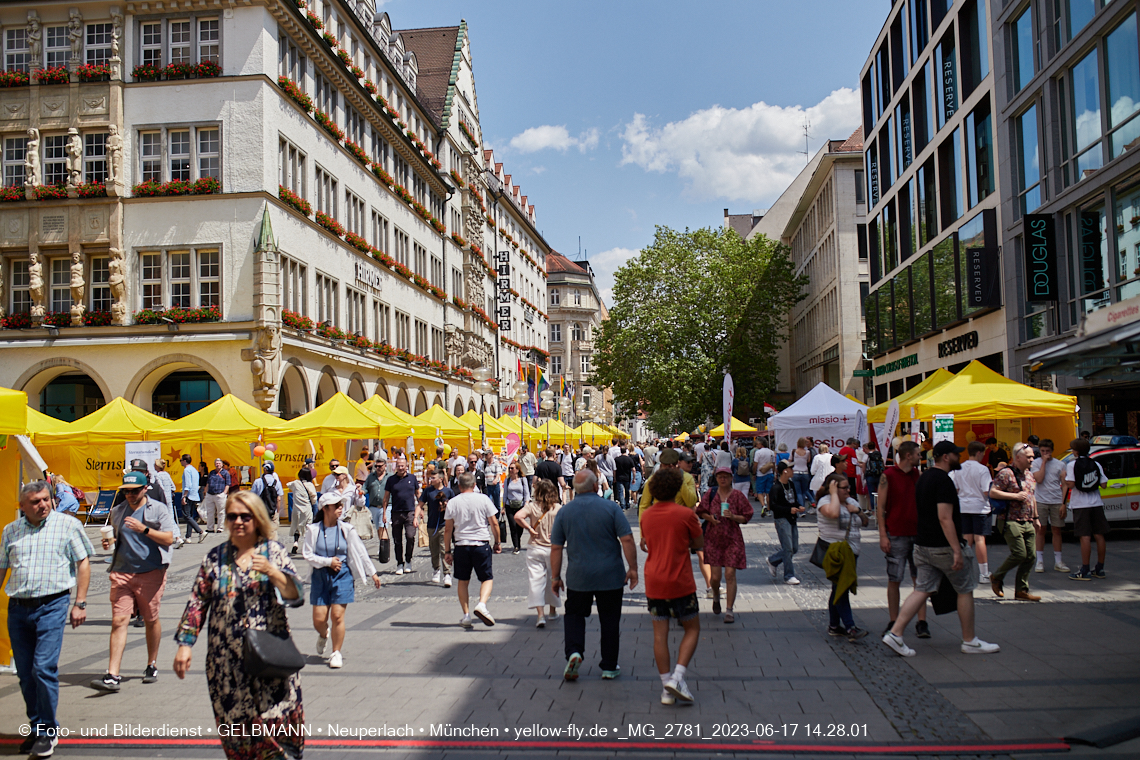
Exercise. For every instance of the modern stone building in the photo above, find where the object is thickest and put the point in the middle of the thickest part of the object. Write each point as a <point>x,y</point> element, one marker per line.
<point>274,199</point>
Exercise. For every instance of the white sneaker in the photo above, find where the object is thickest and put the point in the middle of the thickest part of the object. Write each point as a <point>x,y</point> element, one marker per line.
<point>482,613</point>
<point>322,645</point>
<point>541,623</point>
<point>679,689</point>
<point>896,643</point>
<point>435,577</point>
<point>667,698</point>
<point>399,569</point>
<point>181,543</point>
<point>793,581</point>
<point>447,580</point>
<point>552,616</point>
<point>977,646</point>
<point>772,570</point>
<point>984,578</point>
<point>336,661</point>
<point>466,621</point>
<point>708,593</point>
<point>1040,567</point>
<point>1061,567</point>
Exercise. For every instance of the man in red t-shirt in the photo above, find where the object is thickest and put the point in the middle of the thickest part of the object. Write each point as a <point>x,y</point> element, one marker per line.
<point>669,532</point>
<point>897,514</point>
<point>849,451</point>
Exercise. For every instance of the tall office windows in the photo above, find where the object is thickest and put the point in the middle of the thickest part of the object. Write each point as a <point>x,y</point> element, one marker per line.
<point>927,202</point>
<point>947,76</point>
<point>904,330</point>
<point>1079,13</point>
<point>979,154</point>
<point>1122,64</point>
<point>1093,262</point>
<point>975,45</point>
<point>868,105</point>
<point>886,166</point>
<point>1126,212</point>
<point>950,179</point>
<point>938,10</point>
<point>95,157</point>
<point>872,157</point>
<point>920,288</point>
<point>327,297</point>
<point>54,159</point>
<point>919,28</point>
<point>883,65</point>
<point>890,237</point>
<point>919,89</point>
<point>904,138</point>
<point>60,284</point>
<point>898,52</point>
<point>1028,161</point>
<point>971,234</point>
<point>1021,37</point>
<point>860,186</point>
<point>906,224</point>
<point>1081,123</point>
<point>875,250</point>
<point>945,265</point>
<point>886,318</point>
<point>871,320</point>
<point>292,164</point>
<point>294,286</point>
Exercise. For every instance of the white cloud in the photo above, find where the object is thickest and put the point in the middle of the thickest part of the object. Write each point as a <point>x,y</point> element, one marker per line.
<point>750,154</point>
<point>538,169</point>
<point>554,138</point>
<point>605,264</point>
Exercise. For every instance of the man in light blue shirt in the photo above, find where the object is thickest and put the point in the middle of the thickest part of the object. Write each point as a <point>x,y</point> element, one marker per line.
<point>191,497</point>
<point>596,534</point>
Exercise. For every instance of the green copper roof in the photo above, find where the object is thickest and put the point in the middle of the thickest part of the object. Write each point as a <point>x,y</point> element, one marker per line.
<point>265,241</point>
<point>455,61</point>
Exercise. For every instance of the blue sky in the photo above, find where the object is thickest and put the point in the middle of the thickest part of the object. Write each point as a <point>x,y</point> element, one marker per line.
<point>614,117</point>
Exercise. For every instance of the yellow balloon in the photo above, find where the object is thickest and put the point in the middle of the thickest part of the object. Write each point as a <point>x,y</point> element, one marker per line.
<point>970,436</point>
<point>447,449</point>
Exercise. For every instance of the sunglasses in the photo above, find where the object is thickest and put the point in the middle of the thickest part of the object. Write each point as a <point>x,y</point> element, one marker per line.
<point>242,517</point>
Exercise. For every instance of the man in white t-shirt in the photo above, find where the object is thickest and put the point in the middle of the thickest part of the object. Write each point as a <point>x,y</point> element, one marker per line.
<point>1050,475</point>
<point>973,482</point>
<point>763,474</point>
<point>1088,508</point>
<point>471,522</point>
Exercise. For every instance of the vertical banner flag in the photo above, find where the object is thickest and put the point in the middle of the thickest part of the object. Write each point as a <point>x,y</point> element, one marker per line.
<point>726,405</point>
<point>892,422</point>
<point>861,426</point>
<point>148,451</point>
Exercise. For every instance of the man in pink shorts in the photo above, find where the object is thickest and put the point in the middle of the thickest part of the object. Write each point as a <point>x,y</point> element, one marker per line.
<point>144,532</point>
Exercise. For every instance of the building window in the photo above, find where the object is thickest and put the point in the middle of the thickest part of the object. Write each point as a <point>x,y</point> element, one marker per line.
<point>576,332</point>
<point>379,231</point>
<point>326,193</point>
<point>1122,58</point>
<point>1021,36</point>
<point>1093,264</point>
<point>208,40</point>
<point>21,281</point>
<point>950,178</point>
<point>354,213</point>
<point>57,46</point>
<point>381,316</point>
<point>209,153</point>
<point>556,365</point>
<point>585,364</point>
<point>1081,119</point>
<point>947,78</point>
<point>17,57</point>
<point>150,156</point>
<point>975,45</point>
<point>422,346</point>
<point>1028,162</point>
<point>979,154</point>
<point>577,298</point>
<point>292,161</point>
<point>191,153</point>
<point>555,298</point>
<point>327,296</point>
<point>54,159</point>
<point>179,149</point>
<point>437,272</point>
<point>180,44</point>
<point>586,396</point>
<point>556,333</point>
<point>98,45</point>
<point>60,285</point>
<point>1078,14</point>
<point>150,43</point>
<point>294,283</point>
<point>420,260</point>
<point>401,244</point>
<point>354,302</point>
<point>180,279</point>
<point>403,336</point>
<point>100,289</point>
<point>95,157</point>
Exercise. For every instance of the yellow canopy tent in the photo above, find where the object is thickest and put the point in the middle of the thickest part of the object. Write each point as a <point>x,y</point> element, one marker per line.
<point>617,432</point>
<point>39,422</point>
<point>119,421</point>
<point>878,413</point>
<point>391,413</point>
<point>227,419</point>
<point>496,433</point>
<point>14,413</point>
<point>682,437</point>
<point>531,435</point>
<point>437,421</point>
<point>339,418</point>
<point>737,427</point>
<point>977,393</point>
<point>595,435</point>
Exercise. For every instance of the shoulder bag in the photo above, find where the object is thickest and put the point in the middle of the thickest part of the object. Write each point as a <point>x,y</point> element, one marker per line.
<point>266,655</point>
<point>820,550</point>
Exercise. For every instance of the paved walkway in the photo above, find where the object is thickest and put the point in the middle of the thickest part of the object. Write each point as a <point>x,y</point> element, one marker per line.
<point>1068,663</point>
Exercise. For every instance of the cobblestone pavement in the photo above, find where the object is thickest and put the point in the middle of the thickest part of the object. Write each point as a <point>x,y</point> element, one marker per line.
<point>1068,663</point>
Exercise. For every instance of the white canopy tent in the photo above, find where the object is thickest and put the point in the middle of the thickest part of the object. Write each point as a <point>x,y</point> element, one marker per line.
<point>823,413</point>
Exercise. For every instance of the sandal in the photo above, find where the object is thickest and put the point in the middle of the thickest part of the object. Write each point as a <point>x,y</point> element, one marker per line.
<point>729,617</point>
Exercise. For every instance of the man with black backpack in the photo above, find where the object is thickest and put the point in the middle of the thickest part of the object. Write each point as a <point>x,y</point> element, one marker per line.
<point>1084,478</point>
<point>269,488</point>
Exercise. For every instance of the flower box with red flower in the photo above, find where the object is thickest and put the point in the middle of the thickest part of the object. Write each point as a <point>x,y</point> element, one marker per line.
<point>435,164</point>
<point>459,240</point>
<point>458,180</point>
<point>92,190</point>
<point>14,79</point>
<point>331,332</point>
<point>359,341</point>
<point>459,302</point>
<point>329,126</point>
<point>296,321</point>
<point>207,70</point>
<point>330,40</point>
<point>50,192</point>
<point>294,92</point>
<point>330,224</point>
<point>468,135</point>
<point>356,242</point>
<point>94,72</point>
<point>57,318</point>
<point>369,87</point>
<point>384,349</point>
<point>12,193</point>
<point>146,72</point>
<point>356,151</point>
<point>53,75</point>
<point>96,318</point>
<point>314,20</point>
<point>438,226</point>
<point>179,71</point>
<point>384,177</point>
<point>294,200</point>
<point>344,57</point>
<point>178,316</point>
<point>357,72</point>
<point>383,258</point>
<point>19,321</point>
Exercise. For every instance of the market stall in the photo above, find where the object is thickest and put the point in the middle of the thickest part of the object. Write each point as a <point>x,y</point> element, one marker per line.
<point>739,430</point>
<point>823,413</point>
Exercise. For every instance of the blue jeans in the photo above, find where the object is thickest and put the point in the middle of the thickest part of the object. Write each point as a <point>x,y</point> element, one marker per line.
<point>838,611</point>
<point>801,481</point>
<point>377,517</point>
<point>789,534</point>
<point>621,493</point>
<point>493,494</point>
<point>37,638</point>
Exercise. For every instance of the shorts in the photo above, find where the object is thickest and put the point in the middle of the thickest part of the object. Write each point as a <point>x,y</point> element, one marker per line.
<point>327,588</point>
<point>978,525</point>
<point>935,561</point>
<point>144,588</point>
<point>468,558</point>
<point>1050,514</point>
<point>1089,521</point>
<point>901,556</point>
<point>682,609</point>
<point>764,483</point>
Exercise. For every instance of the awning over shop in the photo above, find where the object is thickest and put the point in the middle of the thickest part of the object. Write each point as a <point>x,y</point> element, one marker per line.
<point>940,377</point>
<point>979,393</point>
<point>1106,354</point>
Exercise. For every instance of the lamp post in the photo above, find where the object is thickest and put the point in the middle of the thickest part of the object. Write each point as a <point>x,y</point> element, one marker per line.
<point>522,395</point>
<point>564,407</point>
<point>482,386</point>
<point>546,404</point>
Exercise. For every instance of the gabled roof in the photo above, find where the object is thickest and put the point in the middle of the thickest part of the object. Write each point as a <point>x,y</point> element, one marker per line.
<point>854,143</point>
<point>556,262</point>
<point>437,53</point>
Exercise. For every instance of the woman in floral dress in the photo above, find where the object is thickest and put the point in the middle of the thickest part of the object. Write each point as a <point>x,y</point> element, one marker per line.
<point>233,587</point>
<point>724,510</point>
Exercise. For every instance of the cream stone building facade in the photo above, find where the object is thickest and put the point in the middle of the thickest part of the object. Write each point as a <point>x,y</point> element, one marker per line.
<point>273,199</point>
<point>576,314</point>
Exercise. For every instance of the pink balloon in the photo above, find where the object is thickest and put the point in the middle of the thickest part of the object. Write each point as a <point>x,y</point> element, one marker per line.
<point>271,447</point>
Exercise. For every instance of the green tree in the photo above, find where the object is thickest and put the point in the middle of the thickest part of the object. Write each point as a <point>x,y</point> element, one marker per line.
<point>686,309</point>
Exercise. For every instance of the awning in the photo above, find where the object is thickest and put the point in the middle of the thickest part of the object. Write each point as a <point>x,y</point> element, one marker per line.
<point>1109,353</point>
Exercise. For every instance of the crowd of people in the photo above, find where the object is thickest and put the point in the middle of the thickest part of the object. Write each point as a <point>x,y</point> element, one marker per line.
<point>571,505</point>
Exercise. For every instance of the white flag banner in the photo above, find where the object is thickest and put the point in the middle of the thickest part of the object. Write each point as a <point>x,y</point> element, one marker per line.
<point>726,405</point>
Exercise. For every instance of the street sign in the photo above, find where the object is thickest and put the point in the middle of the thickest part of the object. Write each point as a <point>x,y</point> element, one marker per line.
<point>504,270</point>
<point>863,373</point>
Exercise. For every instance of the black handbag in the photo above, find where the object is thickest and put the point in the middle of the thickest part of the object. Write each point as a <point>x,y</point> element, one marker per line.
<point>820,550</point>
<point>385,553</point>
<point>265,654</point>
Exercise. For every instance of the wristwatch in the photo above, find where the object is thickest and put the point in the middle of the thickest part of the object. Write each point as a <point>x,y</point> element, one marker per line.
<point>81,605</point>
<point>146,530</point>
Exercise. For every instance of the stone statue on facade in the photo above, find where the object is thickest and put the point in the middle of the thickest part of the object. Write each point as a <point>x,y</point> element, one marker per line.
<point>74,158</point>
<point>36,286</point>
<point>75,34</point>
<point>32,159</point>
<point>116,31</point>
<point>3,295</point>
<point>35,39</point>
<point>266,364</point>
<point>117,280</point>
<point>114,156</point>
<point>78,287</point>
